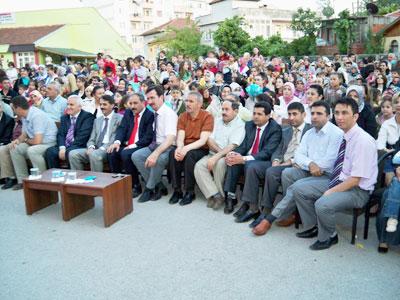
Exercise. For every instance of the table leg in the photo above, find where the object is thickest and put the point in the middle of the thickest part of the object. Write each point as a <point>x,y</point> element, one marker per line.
<point>117,201</point>
<point>73,205</point>
<point>36,200</point>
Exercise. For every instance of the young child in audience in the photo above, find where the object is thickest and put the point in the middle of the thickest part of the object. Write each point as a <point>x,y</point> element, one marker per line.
<point>391,208</point>
<point>124,104</point>
<point>386,110</point>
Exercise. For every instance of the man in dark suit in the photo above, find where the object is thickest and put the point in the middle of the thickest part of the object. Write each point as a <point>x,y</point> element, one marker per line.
<point>6,127</point>
<point>263,136</point>
<point>282,158</point>
<point>134,132</point>
<point>74,132</point>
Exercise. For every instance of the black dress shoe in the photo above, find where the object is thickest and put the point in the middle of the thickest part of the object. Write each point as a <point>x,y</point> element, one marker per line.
<point>229,205</point>
<point>137,190</point>
<point>161,190</point>
<point>257,221</point>
<point>318,245</point>
<point>176,197</point>
<point>247,216</point>
<point>146,196</point>
<point>3,181</point>
<point>9,183</point>
<point>241,210</point>
<point>188,198</point>
<point>308,234</point>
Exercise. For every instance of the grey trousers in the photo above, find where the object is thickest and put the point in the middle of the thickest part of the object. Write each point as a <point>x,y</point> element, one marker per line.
<point>295,180</point>
<point>272,182</point>
<point>321,209</point>
<point>152,176</point>
<point>6,166</point>
<point>210,184</point>
<point>78,157</point>
<point>254,172</point>
<point>35,153</point>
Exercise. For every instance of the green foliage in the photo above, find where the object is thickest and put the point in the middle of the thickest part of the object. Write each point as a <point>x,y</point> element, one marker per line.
<point>259,42</point>
<point>277,46</point>
<point>344,29</point>
<point>231,35</point>
<point>385,6</point>
<point>303,46</point>
<point>374,43</point>
<point>306,21</point>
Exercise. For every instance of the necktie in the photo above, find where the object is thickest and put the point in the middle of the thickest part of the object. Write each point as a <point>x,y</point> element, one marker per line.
<point>153,144</point>
<point>338,166</point>
<point>102,134</point>
<point>293,144</point>
<point>70,133</point>
<point>134,131</point>
<point>254,150</point>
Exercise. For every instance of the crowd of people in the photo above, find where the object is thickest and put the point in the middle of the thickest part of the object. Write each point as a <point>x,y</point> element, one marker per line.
<point>310,130</point>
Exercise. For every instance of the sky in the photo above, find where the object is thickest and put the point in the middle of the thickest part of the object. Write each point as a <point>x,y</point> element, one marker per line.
<point>20,5</point>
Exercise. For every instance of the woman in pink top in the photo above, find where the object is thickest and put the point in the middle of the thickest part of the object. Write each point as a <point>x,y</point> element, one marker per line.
<point>288,97</point>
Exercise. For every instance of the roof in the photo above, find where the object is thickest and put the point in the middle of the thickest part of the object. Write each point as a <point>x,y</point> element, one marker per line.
<point>389,26</point>
<point>25,35</point>
<point>216,1</point>
<point>393,14</point>
<point>175,23</point>
<point>68,52</point>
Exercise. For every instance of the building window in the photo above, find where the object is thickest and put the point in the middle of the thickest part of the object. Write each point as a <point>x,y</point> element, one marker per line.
<point>146,25</point>
<point>24,58</point>
<point>394,46</point>
<point>147,12</point>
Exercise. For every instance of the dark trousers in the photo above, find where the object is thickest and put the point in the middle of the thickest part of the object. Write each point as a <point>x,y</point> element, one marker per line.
<point>51,156</point>
<point>187,166</point>
<point>121,161</point>
<point>271,185</point>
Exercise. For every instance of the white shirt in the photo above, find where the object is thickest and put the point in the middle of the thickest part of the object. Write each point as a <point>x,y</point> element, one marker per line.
<point>225,134</point>
<point>167,122</point>
<point>249,156</point>
<point>320,147</point>
<point>88,104</point>
<point>388,134</point>
<point>281,109</point>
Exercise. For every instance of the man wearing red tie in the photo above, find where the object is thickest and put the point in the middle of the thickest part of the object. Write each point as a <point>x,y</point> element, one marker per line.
<point>263,136</point>
<point>134,132</point>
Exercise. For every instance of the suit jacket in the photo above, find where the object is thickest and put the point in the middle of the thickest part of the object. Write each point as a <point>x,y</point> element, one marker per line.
<point>82,131</point>
<point>6,129</point>
<point>269,140</point>
<point>145,131</point>
<point>287,134</point>
<point>113,124</point>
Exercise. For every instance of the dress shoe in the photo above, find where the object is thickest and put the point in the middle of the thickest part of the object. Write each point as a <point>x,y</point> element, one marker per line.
<point>146,196</point>
<point>243,209</point>
<point>262,228</point>
<point>308,234</point>
<point>161,190</point>
<point>229,205</point>
<point>210,202</point>
<point>9,183</point>
<point>219,202</point>
<point>3,181</point>
<point>17,187</point>
<point>287,222</point>
<point>176,197</point>
<point>318,245</point>
<point>383,248</point>
<point>187,199</point>
<point>247,216</point>
<point>257,221</point>
<point>137,190</point>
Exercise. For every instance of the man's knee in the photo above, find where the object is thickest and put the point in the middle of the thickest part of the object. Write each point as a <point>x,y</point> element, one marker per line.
<point>322,205</point>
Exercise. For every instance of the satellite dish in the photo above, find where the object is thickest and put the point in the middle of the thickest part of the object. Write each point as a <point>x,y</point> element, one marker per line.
<point>372,8</point>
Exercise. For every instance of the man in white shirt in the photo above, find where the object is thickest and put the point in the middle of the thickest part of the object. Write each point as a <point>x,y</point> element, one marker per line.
<point>103,134</point>
<point>228,133</point>
<point>153,159</point>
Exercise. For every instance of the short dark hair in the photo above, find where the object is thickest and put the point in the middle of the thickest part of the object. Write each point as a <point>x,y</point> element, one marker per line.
<point>324,104</point>
<point>296,106</point>
<point>265,98</point>
<point>348,102</point>
<point>140,96</point>
<point>96,88</point>
<point>4,79</point>
<point>234,104</point>
<point>20,101</point>
<point>108,98</point>
<point>318,88</point>
<point>265,106</point>
<point>158,88</point>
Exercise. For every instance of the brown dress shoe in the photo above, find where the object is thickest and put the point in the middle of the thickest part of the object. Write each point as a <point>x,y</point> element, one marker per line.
<point>17,187</point>
<point>262,228</point>
<point>219,202</point>
<point>287,222</point>
<point>210,202</point>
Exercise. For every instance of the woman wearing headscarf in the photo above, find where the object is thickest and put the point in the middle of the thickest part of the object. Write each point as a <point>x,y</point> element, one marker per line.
<point>287,98</point>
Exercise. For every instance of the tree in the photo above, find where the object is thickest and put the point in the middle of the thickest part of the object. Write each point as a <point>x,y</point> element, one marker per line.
<point>259,42</point>
<point>374,43</point>
<point>231,35</point>
<point>277,46</point>
<point>385,6</point>
<point>306,21</point>
<point>326,8</point>
<point>303,46</point>
<point>344,29</point>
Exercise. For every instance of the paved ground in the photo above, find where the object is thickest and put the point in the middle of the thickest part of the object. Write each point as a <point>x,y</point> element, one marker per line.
<point>171,252</point>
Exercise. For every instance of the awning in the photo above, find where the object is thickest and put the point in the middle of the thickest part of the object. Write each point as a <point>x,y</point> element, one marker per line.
<point>67,52</point>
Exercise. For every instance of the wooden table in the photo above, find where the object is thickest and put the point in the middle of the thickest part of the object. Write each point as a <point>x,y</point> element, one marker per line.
<point>78,198</point>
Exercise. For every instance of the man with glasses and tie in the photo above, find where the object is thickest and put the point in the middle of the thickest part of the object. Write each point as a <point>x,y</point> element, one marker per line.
<point>74,132</point>
<point>152,160</point>
<point>102,136</point>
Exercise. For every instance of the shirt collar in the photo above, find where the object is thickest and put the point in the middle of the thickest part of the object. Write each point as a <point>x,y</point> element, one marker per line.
<point>263,127</point>
<point>352,132</point>
<point>301,127</point>
<point>76,116</point>
<point>325,128</point>
<point>110,115</point>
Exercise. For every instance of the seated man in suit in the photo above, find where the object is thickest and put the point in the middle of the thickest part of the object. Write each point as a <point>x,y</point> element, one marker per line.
<point>313,163</point>
<point>103,134</point>
<point>253,156</point>
<point>152,160</point>
<point>134,133</point>
<point>282,158</point>
<point>39,132</point>
<point>74,132</point>
<point>194,128</point>
<point>6,131</point>
<point>210,171</point>
<point>352,181</point>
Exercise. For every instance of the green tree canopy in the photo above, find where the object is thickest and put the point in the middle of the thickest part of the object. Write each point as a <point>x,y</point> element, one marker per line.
<point>344,29</point>
<point>306,21</point>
